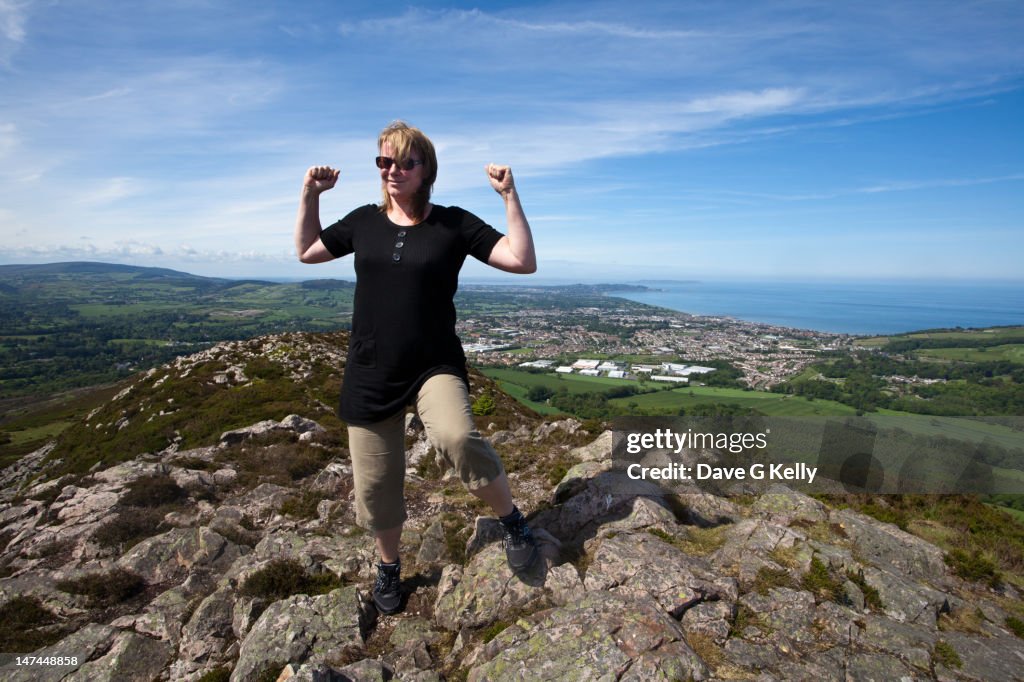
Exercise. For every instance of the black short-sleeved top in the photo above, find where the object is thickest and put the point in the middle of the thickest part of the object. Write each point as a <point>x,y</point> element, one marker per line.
<point>403,325</point>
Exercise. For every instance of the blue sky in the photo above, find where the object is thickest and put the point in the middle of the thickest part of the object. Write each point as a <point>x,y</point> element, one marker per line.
<point>795,140</point>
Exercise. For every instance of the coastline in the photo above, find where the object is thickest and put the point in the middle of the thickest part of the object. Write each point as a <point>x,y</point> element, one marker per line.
<point>856,309</point>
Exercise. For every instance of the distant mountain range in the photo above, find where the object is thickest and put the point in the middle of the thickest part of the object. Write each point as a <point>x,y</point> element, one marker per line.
<point>95,268</point>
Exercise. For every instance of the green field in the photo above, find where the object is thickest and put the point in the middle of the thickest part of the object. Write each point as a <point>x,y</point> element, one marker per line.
<point>574,383</point>
<point>987,334</point>
<point>516,383</point>
<point>957,428</point>
<point>771,404</point>
<point>1015,513</point>
<point>37,433</point>
<point>1011,352</point>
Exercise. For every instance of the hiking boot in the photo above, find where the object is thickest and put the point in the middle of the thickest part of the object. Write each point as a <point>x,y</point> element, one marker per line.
<point>387,591</point>
<point>520,545</point>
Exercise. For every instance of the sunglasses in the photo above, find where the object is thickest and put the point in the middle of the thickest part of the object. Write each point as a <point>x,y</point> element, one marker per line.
<point>384,163</point>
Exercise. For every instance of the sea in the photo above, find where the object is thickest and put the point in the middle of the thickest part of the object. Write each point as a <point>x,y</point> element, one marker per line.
<point>844,307</point>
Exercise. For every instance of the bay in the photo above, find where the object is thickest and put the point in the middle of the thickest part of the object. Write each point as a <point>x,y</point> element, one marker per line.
<point>844,307</point>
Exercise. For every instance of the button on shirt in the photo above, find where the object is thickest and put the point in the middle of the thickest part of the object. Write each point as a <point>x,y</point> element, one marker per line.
<point>403,325</point>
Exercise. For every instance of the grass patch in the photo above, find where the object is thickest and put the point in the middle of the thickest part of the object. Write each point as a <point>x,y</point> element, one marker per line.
<point>216,675</point>
<point>946,655</point>
<point>303,506</point>
<point>709,652</point>
<point>768,578</point>
<point>493,630</point>
<point>104,588</point>
<point>455,535</point>
<point>1016,626</point>
<point>703,541</point>
<point>668,538</point>
<point>153,491</point>
<point>981,542</point>
<point>744,618</point>
<point>129,528</point>
<point>819,581</point>
<point>560,465</point>
<point>973,566</point>
<point>963,620</point>
<point>27,625</point>
<point>276,458</point>
<point>872,599</point>
<point>281,578</point>
<point>428,468</point>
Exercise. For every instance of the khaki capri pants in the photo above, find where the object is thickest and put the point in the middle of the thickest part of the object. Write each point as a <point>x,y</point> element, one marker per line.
<point>378,451</point>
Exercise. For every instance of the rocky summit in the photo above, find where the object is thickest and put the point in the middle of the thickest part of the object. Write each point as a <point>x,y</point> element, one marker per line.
<point>199,527</point>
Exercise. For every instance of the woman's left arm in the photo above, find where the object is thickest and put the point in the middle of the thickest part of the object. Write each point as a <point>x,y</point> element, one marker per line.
<point>514,252</point>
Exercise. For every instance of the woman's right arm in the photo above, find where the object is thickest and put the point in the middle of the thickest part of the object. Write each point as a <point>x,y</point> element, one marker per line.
<point>307,224</point>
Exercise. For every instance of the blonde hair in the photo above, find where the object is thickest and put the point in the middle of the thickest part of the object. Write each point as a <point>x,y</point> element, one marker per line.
<point>404,140</point>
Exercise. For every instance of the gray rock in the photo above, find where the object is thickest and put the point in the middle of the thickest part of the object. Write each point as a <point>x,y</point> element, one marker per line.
<point>645,513</point>
<point>300,628</point>
<point>88,643</point>
<point>208,635</point>
<point>84,503</point>
<point>501,437</point>
<point>486,530</point>
<point>890,548</point>
<point>905,600</point>
<point>333,479</point>
<point>988,658</point>
<point>262,502</point>
<point>224,477</point>
<point>132,657</point>
<point>836,625</point>
<point>244,614</point>
<point>366,670</point>
<point>569,425</point>
<point>205,454</point>
<point>164,617</point>
<point>411,631</point>
<point>599,450</point>
<point>854,595</point>
<point>757,536</point>
<point>605,497</point>
<point>711,619</point>
<point>784,506</point>
<point>487,589</point>
<point>746,654</point>
<point>826,666</point>
<point>575,479</point>
<point>411,660</point>
<point>13,476</point>
<point>194,480</point>
<point>912,643</point>
<point>601,637</point>
<point>784,611</point>
<point>292,422</point>
<point>877,668</point>
<point>174,554</point>
<point>704,509</point>
<point>417,451</point>
<point>343,555</point>
<point>433,549</point>
<point>639,565</point>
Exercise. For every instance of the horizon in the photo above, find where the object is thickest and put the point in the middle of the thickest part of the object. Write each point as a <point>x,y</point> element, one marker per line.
<point>588,280</point>
<point>778,141</point>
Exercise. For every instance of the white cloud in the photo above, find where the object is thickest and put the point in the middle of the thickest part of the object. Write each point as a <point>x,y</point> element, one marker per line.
<point>12,30</point>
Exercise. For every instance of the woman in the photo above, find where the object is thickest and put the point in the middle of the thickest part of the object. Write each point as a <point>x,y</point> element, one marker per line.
<point>403,347</point>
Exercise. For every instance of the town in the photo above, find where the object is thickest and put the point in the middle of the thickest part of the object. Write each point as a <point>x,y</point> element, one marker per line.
<point>602,341</point>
